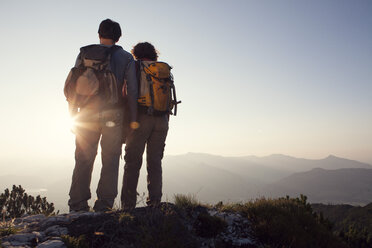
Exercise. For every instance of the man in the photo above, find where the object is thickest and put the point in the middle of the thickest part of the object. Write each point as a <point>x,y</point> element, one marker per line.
<point>100,120</point>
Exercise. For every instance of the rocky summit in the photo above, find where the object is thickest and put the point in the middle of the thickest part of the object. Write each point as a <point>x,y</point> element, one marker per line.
<point>164,226</point>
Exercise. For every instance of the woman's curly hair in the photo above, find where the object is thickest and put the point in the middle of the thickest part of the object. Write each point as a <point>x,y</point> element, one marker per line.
<point>145,50</point>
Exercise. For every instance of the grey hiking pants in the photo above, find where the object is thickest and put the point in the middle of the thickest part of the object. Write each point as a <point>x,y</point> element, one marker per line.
<point>93,126</point>
<point>152,134</point>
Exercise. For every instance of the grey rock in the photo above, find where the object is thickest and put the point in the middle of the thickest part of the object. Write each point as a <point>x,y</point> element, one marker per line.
<point>40,236</point>
<point>34,218</point>
<point>238,228</point>
<point>17,246</point>
<point>20,225</point>
<point>17,221</point>
<point>56,238</point>
<point>56,231</point>
<point>76,215</point>
<point>21,237</point>
<point>52,244</point>
<point>6,244</point>
<point>55,220</point>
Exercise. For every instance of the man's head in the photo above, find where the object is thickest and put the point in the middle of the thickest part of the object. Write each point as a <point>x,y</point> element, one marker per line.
<point>109,29</point>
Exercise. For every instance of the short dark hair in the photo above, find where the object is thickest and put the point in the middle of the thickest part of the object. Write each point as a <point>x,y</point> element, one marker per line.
<point>110,30</point>
<point>145,50</point>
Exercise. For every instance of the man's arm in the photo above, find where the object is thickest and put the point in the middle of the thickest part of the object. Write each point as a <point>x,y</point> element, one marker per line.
<point>132,89</point>
<point>71,106</point>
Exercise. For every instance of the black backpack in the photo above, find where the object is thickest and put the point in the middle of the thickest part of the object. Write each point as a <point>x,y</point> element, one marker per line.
<point>92,78</point>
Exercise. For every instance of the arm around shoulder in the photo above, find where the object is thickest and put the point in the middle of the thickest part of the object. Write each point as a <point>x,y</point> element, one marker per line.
<point>132,89</point>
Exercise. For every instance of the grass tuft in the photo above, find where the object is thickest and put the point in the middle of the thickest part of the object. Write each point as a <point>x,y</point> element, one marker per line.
<point>186,201</point>
<point>125,217</point>
<point>7,229</point>
<point>286,222</point>
<point>75,242</point>
<point>208,226</point>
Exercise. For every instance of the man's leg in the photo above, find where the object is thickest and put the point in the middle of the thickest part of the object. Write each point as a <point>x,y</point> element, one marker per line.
<point>155,151</point>
<point>111,143</point>
<point>134,148</point>
<point>87,138</point>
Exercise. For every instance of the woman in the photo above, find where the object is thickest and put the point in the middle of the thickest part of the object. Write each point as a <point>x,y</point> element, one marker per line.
<point>150,132</point>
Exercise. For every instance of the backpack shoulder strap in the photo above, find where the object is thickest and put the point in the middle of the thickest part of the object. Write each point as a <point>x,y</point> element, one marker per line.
<point>138,64</point>
<point>98,52</point>
<point>111,50</point>
<point>115,47</point>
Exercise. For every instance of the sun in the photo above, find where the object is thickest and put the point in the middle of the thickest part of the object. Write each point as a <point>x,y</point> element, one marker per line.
<point>67,123</point>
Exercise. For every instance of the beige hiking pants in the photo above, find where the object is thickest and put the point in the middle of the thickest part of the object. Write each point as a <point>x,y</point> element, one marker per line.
<point>151,134</point>
<point>93,127</point>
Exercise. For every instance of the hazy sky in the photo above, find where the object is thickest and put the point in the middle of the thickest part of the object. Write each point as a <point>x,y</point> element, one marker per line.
<point>254,77</point>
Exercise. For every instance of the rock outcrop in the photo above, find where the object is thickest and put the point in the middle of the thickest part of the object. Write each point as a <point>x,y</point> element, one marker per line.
<point>196,227</point>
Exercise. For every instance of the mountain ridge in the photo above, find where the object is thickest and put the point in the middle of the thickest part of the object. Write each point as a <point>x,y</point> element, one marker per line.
<point>210,177</point>
<point>342,186</point>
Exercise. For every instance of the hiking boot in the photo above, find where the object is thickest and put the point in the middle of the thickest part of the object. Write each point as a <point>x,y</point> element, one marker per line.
<point>153,204</point>
<point>127,208</point>
<point>79,210</point>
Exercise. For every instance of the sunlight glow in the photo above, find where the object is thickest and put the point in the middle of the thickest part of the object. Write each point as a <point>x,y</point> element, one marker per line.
<point>110,124</point>
<point>72,123</point>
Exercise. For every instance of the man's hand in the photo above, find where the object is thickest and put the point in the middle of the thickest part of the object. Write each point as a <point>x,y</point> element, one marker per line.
<point>73,110</point>
<point>134,125</point>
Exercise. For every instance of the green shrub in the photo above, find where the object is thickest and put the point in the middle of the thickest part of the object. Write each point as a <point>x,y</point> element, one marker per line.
<point>286,222</point>
<point>17,203</point>
<point>186,201</point>
<point>73,242</point>
<point>125,217</point>
<point>352,223</point>
<point>357,236</point>
<point>208,226</point>
<point>161,230</point>
<point>7,230</point>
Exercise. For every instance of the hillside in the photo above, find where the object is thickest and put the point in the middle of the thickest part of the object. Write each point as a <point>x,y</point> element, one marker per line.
<point>283,222</point>
<point>292,164</point>
<point>260,170</point>
<point>352,222</point>
<point>211,178</point>
<point>348,186</point>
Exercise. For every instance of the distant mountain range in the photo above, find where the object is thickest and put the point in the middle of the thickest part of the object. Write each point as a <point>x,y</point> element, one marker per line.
<point>263,169</point>
<point>292,164</point>
<point>214,178</point>
<point>341,186</point>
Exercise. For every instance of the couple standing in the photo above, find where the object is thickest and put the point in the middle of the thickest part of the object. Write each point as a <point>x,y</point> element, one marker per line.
<point>99,120</point>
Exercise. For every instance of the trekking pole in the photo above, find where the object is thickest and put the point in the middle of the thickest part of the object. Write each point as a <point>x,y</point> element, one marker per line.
<point>175,99</point>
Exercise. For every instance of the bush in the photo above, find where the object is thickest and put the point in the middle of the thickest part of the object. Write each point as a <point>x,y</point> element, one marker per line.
<point>287,222</point>
<point>209,226</point>
<point>16,203</point>
<point>186,201</point>
<point>72,242</point>
<point>352,223</point>
<point>7,230</point>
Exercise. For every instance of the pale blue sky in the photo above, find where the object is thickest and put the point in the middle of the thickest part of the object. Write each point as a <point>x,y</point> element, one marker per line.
<point>255,77</point>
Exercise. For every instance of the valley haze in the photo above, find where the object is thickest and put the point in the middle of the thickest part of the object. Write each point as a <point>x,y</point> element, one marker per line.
<point>213,178</point>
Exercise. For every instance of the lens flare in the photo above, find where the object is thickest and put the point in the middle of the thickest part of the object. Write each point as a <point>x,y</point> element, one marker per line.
<point>110,124</point>
<point>73,124</point>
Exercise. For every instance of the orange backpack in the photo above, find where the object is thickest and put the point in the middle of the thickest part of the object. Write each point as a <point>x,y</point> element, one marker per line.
<point>156,87</point>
